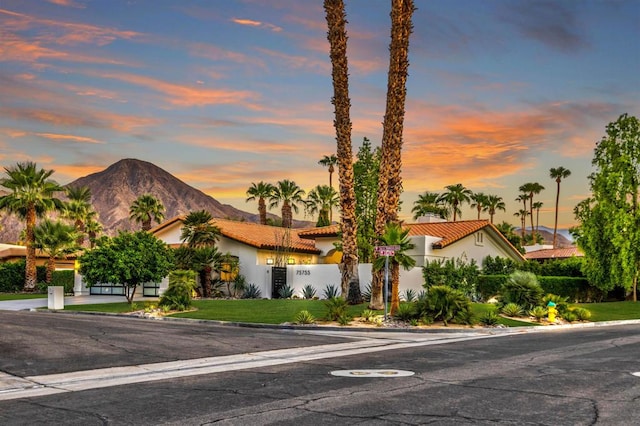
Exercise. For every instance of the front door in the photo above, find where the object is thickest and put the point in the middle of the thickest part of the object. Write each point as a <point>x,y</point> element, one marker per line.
<point>278,280</point>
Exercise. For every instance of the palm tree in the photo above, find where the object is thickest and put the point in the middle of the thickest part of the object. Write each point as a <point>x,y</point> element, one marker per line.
<point>290,195</point>
<point>31,195</point>
<point>509,232</point>
<point>532,188</point>
<point>523,197</point>
<point>522,214</point>
<point>390,181</point>
<point>260,191</point>
<point>337,37</point>
<point>93,228</point>
<point>145,209</point>
<point>494,203</point>
<point>429,203</point>
<point>394,235</point>
<point>537,206</point>
<point>557,173</point>
<point>79,209</point>
<point>322,199</point>
<point>455,196</point>
<point>56,239</point>
<point>329,161</point>
<point>201,236</point>
<point>479,202</point>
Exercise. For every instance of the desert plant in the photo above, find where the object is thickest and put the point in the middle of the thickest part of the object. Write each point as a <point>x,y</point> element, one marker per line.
<point>538,313</point>
<point>251,292</point>
<point>512,310</point>
<point>561,302</point>
<point>366,294</point>
<point>331,291</point>
<point>406,312</point>
<point>466,317</point>
<point>367,315</point>
<point>490,318</point>
<point>410,295</point>
<point>304,317</point>
<point>414,322</point>
<point>239,284</point>
<point>336,307</point>
<point>570,316</point>
<point>443,303</point>
<point>285,292</point>
<point>344,319</point>
<point>177,297</point>
<point>523,289</point>
<point>308,291</point>
<point>582,314</point>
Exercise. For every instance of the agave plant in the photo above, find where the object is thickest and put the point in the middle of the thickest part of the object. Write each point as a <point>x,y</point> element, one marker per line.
<point>305,317</point>
<point>538,313</point>
<point>308,291</point>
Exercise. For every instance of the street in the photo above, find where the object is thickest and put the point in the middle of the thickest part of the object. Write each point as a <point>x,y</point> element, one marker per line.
<point>87,369</point>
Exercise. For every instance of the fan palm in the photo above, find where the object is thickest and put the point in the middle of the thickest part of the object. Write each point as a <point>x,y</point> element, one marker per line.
<point>429,203</point>
<point>537,206</point>
<point>56,239</point>
<point>92,228</point>
<point>79,209</point>
<point>557,173</point>
<point>198,231</point>
<point>31,195</point>
<point>329,161</point>
<point>532,188</point>
<point>455,196</point>
<point>478,202</point>
<point>260,191</point>
<point>494,203</point>
<point>322,199</point>
<point>290,195</point>
<point>145,209</point>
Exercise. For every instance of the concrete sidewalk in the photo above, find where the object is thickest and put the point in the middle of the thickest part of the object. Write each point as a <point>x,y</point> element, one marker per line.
<point>28,304</point>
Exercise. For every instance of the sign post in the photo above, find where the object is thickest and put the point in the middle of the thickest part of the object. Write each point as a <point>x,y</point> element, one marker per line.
<point>386,251</point>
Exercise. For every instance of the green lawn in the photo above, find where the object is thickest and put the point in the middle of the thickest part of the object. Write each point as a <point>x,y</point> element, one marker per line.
<point>612,311</point>
<point>21,296</point>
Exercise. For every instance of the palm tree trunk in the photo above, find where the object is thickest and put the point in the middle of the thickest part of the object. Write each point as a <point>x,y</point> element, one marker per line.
<point>287,216</point>
<point>531,215</point>
<point>30,267</point>
<point>390,181</point>
<point>395,288</point>
<point>555,226</point>
<point>51,266</point>
<point>262,209</point>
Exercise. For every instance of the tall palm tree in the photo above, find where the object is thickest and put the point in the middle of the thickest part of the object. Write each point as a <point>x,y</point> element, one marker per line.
<point>79,209</point>
<point>478,202</point>
<point>394,235</point>
<point>337,37</point>
<point>145,209</point>
<point>31,195</point>
<point>429,203</point>
<point>290,195</point>
<point>455,196</point>
<point>494,203</point>
<point>322,199</point>
<point>93,228</point>
<point>57,240</point>
<point>329,161</point>
<point>522,214</point>
<point>537,206</point>
<point>260,191</point>
<point>523,198</point>
<point>390,181</point>
<point>558,173</point>
<point>532,188</point>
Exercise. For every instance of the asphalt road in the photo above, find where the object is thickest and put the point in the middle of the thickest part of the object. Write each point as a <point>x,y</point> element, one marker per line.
<point>197,374</point>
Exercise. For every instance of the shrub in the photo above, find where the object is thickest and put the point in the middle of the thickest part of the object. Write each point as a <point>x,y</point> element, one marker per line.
<point>368,315</point>
<point>12,276</point>
<point>561,302</point>
<point>239,284</point>
<point>178,296</point>
<point>443,303</point>
<point>457,274</point>
<point>570,316</point>
<point>490,318</point>
<point>366,294</point>
<point>336,307</point>
<point>538,313</point>
<point>63,278</point>
<point>523,289</point>
<point>498,265</point>
<point>308,291</point>
<point>344,319</point>
<point>410,295</point>
<point>577,289</point>
<point>581,314</point>
<point>305,317</point>
<point>466,317</point>
<point>489,285</point>
<point>285,292</point>
<point>251,292</point>
<point>512,310</point>
<point>331,291</point>
<point>406,312</point>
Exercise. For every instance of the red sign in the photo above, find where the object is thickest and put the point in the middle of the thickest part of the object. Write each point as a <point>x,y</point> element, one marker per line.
<point>386,250</point>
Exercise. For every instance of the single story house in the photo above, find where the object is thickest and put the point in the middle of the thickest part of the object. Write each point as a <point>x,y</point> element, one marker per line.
<point>13,252</point>
<point>545,254</point>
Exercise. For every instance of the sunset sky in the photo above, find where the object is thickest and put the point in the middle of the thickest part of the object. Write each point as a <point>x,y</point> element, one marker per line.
<point>222,93</point>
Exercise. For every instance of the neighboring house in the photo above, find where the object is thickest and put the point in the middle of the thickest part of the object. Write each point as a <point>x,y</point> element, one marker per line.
<point>12,253</point>
<point>551,253</point>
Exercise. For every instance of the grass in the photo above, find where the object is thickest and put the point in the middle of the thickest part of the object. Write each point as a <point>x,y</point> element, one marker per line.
<point>22,296</point>
<point>612,311</point>
<point>115,308</point>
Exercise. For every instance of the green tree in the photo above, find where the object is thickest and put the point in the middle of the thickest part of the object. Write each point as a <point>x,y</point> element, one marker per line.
<point>201,235</point>
<point>366,171</point>
<point>260,191</point>
<point>612,214</point>
<point>509,232</point>
<point>79,209</point>
<point>57,240</point>
<point>429,203</point>
<point>31,195</point>
<point>557,173</point>
<point>290,195</point>
<point>454,197</point>
<point>322,199</point>
<point>93,228</point>
<point>130,259</point>
<point>329,161</point>
<point>479,202</point>
<point>531,189</point>
<point>145,209</point>
<point>394,235</point>
<point>494,203</point>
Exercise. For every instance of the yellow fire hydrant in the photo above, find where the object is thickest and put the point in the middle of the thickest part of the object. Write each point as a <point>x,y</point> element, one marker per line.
<point>551,312</point>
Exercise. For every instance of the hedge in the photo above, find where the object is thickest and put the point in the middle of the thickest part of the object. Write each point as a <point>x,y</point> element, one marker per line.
<point>12,278</point>
<point>577,289</point>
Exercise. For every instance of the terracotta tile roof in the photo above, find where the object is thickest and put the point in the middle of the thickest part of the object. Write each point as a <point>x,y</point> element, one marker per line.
<point>450,232</point>
<point>558,253</point>
<point>324,231</point>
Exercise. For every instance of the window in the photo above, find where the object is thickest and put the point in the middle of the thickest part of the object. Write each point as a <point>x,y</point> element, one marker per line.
<point>479,239</point>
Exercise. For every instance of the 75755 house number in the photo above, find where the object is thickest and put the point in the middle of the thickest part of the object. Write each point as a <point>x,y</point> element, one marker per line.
<point>303,272</point>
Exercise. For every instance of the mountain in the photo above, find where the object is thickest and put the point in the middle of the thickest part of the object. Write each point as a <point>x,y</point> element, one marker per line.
<point>564,237</point>
<point>115,188</point>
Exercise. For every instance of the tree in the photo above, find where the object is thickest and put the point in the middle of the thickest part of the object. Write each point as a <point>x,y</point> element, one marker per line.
<point>610,221</point>
<point>531,188</point>
<point>130,259</point>
<point>79,209</point>
<point>494,203</point>
<point>329,161</point>
<point>57,240</point>
<point>394,235</point>
<point>337,37</point>
<point>322,199</point>
<point>509,232</point>
<point>290,195</point>
<point>479,202</point>
<point>557,173</point>
<point>455,196</point>
<point>145,209</point>
<point>390,182</point>
<point>201,235</point>
<point>93,228</point>
<point>260,191</point>
<point>429,203</point>
<point>537,206</point>
<point>366,171</point>
<point>523,212</point>
<point>31,195</point>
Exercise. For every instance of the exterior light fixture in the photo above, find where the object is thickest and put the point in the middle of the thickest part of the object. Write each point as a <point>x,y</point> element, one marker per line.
<point>291,261</point>
<point>269,260</point>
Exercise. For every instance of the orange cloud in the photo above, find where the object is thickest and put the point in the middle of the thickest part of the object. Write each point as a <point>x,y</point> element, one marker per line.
<point>252,23</point>
<point>72,138</point>
<point>299,61</point>
<point>67,3</point>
